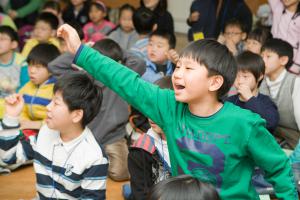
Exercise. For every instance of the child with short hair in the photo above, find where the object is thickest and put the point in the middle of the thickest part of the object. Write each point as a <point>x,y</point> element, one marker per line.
<point>183,187</point>
<point>283,87</point>
<point>68,161</point>
<point>256,39</point>
<point>148,158</point>
<point>99,27</point>
<point>125,35</point>
<point>233,36</point>
<point>206,138</point>
<point>109,125</point>
<point>37,92</point>
<point>157,62</point>
<point>251,70</point>
<point>286,19</point>
<point>144,24</point>
<point>44,32</point>
<point>13,66</point>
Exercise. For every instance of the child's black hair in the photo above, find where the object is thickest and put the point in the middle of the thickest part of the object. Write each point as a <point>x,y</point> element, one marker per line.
<point>126,7</point>
<point>48,18</point>
<point>183,187</point>
<point>7,30</point>
<point>281,48</point>
<point>260,34</point>
<point>53,5</point>
<point>166,35</point>
<point>143,20</point>
<point>251,62</point>
<point>216,58</point>
<point>109,48</point>
<point>42,54</point>
<point>79,91</point>
<point>77,27</point>
<point>165,82</point>
<point>236,23</point>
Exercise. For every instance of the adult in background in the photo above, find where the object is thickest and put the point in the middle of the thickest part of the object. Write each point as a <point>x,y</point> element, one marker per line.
<point>163,18</point>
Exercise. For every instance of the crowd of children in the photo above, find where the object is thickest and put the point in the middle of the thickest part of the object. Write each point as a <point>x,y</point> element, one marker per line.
<point>85,98</point>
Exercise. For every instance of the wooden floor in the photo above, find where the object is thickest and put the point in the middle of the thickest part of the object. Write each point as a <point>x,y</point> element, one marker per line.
<point>21,185</point>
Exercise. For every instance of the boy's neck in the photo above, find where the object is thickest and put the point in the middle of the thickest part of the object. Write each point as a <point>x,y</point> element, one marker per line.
<point>275,74</point>
<point>71,133</point>
<point>206,107</point>
<point>293,8</point>
<point>6,57</point>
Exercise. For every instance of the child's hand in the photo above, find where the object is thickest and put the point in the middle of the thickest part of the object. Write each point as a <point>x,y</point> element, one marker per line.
<point>231,46</point>
<point>244,92</point>
<point>173,56</point>
<point>70,35</point>
<point>221,39</point>
<point>13,14</point>
<point>14,105</point>
<point>31,124</point>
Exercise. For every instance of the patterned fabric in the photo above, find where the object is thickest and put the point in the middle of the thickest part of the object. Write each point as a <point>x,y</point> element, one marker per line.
<point>93,33</point>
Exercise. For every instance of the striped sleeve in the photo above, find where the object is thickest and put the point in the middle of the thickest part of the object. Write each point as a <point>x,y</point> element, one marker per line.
<point>13,151</point>
<point>94,180</point>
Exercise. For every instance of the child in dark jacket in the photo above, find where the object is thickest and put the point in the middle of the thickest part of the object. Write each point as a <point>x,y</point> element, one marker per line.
<point>251,69</point>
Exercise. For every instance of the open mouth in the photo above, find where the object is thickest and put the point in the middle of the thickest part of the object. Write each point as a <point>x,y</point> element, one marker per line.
<point>179,87</point>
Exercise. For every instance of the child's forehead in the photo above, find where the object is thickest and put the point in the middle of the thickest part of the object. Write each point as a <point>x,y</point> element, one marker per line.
<point>188,60</point>
<point>269,51</point>
<point>126,12</point>
<point>42,23</point>
<point>4,35</point>
<point>233,27</point>
<point>159,38</point>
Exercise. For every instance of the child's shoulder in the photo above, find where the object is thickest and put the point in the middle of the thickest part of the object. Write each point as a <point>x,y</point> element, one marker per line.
<point>92,147</point>
<point>234,112</point>
<point>19,59</point>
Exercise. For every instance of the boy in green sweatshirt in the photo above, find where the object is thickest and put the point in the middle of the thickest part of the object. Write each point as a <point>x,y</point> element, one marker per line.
<point>215,142</point>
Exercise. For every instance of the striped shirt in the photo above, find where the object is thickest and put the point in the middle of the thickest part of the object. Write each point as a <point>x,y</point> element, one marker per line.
<point>64,170</point>
<point>72,170</point>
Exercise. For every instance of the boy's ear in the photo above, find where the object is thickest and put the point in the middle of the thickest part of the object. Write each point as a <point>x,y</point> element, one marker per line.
<point>216,82</point>
<point>14,44</point>
<point>77,115</point>
<point>260,78</point>
<point>283,60</point>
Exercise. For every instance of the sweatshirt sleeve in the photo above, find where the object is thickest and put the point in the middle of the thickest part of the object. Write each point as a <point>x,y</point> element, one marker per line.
<point>149,99</point>
<point>275,5</point>
<point>268,155</point>
<point>29,8</point>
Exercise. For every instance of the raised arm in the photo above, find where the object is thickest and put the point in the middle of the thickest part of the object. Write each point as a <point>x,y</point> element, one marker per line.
<point>155,103</point>
<point>275,5</point>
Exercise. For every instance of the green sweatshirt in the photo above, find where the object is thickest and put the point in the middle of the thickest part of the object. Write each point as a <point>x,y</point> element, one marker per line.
<point>222,148</point>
